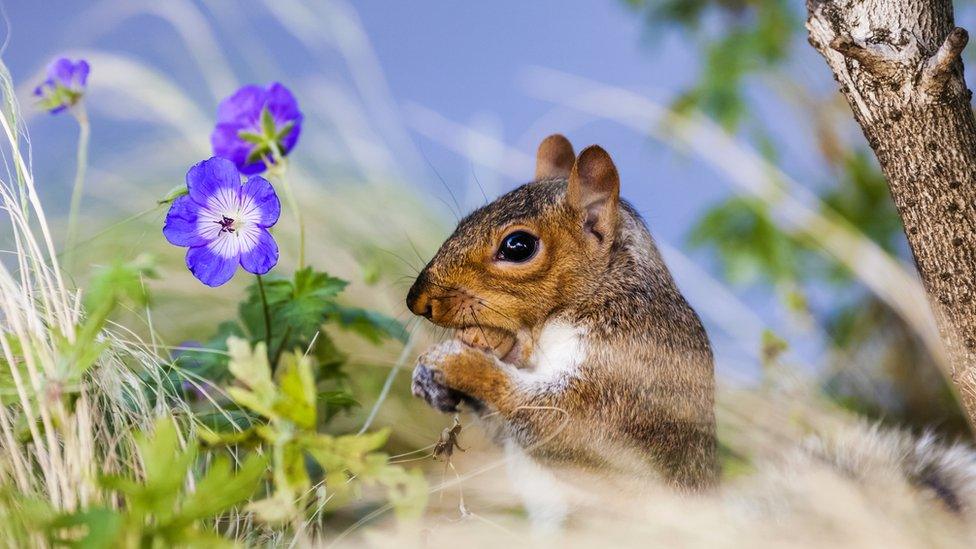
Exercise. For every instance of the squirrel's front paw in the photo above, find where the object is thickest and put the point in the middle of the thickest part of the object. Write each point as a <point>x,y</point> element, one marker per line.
<point>450,373</point>
<point>428,385</point>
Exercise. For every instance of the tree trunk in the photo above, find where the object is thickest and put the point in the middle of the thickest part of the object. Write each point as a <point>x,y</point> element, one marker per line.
<point>898,64</point>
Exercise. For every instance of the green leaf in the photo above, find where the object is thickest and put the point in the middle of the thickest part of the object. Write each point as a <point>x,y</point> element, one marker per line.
<point>344,453</point>
<point>335,402</point>
<point>100,528</point>
<point>222,488</point>
<point>297,402</point>
<point>371,325</point>
<point>297,307</point>
<point>313,297</point>
<point>259,153</point>
<point>8,385</point>
<point>284,131</point>
<point>277,509</point>
<point>250,368</point>
<point>173,194</point>
<point>749,244</point>
<point>251,137</point>
<point>165,465</point>
<point>268,124</point>
<point>121,281</point>
<point>213,437</point>
<point>330,358</point>
<point>293,468</point>
<point>754,37</point>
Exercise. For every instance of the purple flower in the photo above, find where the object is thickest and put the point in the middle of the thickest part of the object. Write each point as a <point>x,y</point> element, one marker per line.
<point>224,222</point>
<point>252,123</point>
<point>64,86</point>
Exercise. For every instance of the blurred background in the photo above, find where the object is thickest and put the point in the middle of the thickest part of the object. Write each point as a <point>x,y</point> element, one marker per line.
<point>726,127</point>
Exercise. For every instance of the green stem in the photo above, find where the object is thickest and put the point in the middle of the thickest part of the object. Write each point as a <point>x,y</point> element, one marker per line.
<point>267,313</point>
<point>84,131</point>
<point>108,229</point>
<point>279,170</point>
<point>281,349</point>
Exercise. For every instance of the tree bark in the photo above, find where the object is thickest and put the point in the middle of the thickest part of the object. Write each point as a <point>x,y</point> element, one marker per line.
<point>898,64</point>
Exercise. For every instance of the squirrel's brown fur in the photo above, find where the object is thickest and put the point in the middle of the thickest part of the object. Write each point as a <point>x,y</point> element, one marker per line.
<point>611,368</point>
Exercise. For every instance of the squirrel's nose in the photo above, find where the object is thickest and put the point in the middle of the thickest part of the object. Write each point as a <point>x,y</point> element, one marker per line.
<point>418,300</point>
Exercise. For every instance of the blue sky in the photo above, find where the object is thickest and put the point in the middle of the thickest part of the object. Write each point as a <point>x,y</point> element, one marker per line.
<point>464,60</point>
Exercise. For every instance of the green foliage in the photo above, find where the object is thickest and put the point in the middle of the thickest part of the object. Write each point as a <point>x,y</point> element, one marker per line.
<point>862,198</point>
<point>121,282</point>
<point>744,37</point>
<point>10,372</point>
<point>110,286</point>
<point>286,401</point>
<point>297,308</point>
<point>748,243</point>
<point>118,283</point>
<point>370,325</point>
<point>285,315</point>
<point>155,508</point>
<point>752,248</point>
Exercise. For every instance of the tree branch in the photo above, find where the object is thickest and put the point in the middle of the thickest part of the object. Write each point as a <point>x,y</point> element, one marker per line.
<point>940,67</point>
<point>871,60</point>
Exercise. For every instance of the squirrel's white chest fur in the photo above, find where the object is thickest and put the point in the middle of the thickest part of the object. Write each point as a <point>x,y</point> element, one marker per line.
<point>542,494</point>
<point>556,354</point>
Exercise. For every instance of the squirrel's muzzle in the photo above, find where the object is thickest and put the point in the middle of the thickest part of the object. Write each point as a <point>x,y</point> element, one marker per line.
<point>418,298</point>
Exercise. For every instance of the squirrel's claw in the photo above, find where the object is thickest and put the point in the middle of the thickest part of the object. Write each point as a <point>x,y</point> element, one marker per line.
<point>427,386</point>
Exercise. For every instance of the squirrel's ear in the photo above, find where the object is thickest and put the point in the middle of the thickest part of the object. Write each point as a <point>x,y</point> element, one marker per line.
<point>555,157</point>
<point>594,190</point>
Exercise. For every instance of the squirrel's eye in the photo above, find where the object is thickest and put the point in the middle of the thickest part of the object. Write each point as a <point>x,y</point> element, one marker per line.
<point>517,247</point>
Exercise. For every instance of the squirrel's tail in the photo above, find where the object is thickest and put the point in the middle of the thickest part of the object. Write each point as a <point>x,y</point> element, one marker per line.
<point>876,456</point>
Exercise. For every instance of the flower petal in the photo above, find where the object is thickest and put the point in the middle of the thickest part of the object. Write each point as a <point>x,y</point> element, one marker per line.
<point>254,168</point>
<point>259,251</point>
<point>44,88</point>
<point>282,104</point>
<point>80,75</point>
<point>243,107</point>
<point>209,265</point>
<point>209,224</point>
<point>182,223</point>
<point>61,71</point>
<point>259,202</point>
<point>287,143</point>
<point>226,143</point>
<point>284,108</point>
<point>214,183</point>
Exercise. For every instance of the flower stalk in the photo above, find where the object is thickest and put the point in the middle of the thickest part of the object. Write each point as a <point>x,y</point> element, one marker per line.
<point>267,313</point>
<point>277,170</point>
<point>81,167</point>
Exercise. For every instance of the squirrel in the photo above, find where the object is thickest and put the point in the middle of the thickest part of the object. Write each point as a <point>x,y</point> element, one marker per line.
<point>574,345</point>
